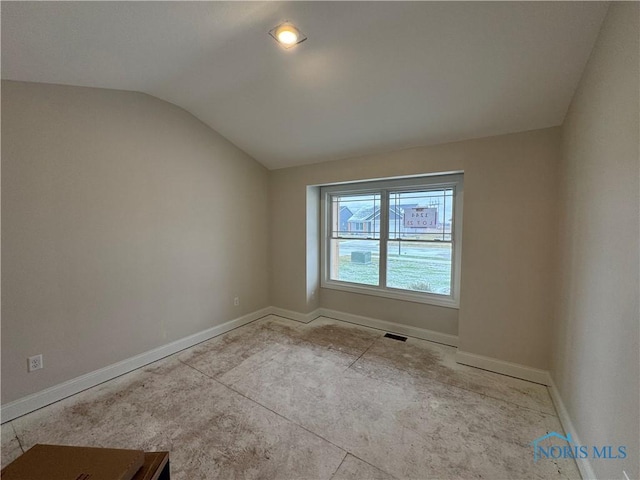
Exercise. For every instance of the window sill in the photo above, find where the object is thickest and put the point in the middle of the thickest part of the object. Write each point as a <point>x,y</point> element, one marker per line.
<point>437,300</point>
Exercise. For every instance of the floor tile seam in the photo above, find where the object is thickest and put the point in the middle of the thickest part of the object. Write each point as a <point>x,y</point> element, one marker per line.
<point>231,369</point>
<point>229,387</point>
<point>361,355</point>
<point>324,347</point>
<point>15,433</point>
<point>256,320</point>
<point>553,414</point>
<point>293,422</point>
<point>342,321</point>
<point>414,431</point>
<point>196,369</point>
<point>464,389</point>
<point>495,398</point>
<point>271,358</point>
<point>255,367</point>
<point>180,352</point>
<point>346,454</point>
<point>372,465</point>
<point>206,374</point>
<point>472,367</point>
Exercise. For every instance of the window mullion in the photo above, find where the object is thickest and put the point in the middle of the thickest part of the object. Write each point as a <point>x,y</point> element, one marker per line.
<point>384,236</point>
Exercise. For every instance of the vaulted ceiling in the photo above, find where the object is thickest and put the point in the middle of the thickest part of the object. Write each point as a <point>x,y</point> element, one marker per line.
<point>372,76</point>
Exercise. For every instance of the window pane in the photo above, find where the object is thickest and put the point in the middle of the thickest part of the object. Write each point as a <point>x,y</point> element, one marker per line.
<point>421,215</point>
<point>355,261</point>
<point>419,266</point>
<point>355,216</point>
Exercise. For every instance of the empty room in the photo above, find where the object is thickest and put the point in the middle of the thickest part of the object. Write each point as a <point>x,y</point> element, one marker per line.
<point>320,240</point>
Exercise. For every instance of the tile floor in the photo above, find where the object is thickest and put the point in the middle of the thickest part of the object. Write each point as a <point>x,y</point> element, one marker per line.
<point>279,399</point>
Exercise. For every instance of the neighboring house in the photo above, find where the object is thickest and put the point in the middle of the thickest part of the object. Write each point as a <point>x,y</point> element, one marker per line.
<point>344,216</point>
<point>366,220</point>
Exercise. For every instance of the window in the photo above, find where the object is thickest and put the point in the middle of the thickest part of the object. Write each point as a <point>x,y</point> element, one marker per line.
<point>395,238</point>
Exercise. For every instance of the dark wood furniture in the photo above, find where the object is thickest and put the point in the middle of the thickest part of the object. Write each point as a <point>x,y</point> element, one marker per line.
<point>61,462</point>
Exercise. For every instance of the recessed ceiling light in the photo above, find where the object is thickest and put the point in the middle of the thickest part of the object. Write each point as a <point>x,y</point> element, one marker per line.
<point>287,35</point>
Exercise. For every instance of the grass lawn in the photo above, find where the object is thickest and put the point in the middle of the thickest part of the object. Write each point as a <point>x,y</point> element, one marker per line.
<point>408,273</point>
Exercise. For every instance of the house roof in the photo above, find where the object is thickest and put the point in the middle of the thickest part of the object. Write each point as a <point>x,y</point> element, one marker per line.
<point>364,214</point>
<point>367,214</point>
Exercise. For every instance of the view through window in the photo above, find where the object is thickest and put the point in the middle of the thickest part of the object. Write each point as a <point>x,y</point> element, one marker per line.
<point>394,237</point>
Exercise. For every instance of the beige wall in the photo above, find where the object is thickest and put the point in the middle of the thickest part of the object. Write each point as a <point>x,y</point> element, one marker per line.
<point>127,224</point>
<point>596,362</point>
<point>508,240</point>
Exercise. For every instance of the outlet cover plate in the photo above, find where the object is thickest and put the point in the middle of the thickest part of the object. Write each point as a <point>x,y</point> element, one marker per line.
<point>35,363</point>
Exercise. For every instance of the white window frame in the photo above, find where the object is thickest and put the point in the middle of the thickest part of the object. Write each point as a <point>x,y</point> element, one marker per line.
<point>454,181</point>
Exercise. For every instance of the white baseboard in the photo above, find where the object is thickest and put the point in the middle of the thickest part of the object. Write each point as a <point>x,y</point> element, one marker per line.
<point>584,465</point>
<point>58,392</point>
<point>506,368</point>
<point>290,314</point>
<point>392,327</point>
<point>63,390</point>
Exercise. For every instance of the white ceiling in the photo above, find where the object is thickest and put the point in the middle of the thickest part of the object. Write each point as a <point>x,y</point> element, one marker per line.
<point>372,77</point>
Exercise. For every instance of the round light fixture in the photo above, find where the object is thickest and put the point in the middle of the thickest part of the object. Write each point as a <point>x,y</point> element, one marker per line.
<point>287,35</point>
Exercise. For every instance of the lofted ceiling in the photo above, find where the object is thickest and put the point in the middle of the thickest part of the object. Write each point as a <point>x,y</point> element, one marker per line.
<point>372,76</point>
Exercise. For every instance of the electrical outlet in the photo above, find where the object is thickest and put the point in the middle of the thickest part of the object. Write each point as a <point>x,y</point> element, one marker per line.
<point>236,302</point>
<point>35,363</point>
